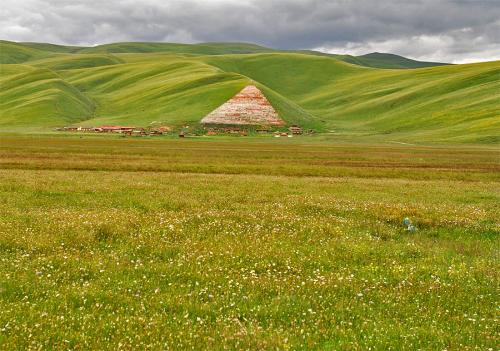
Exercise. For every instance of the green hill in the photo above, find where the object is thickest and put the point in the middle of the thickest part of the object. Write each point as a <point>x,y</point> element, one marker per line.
<point>382,60</point>
<point>16,53</point>
<point>52,47</point>
<point>460,102</point>
<point>194,49</point>
<point>76,61</point>
<point>175,84</point>
<point>35,99</point>
<point>377,60</point>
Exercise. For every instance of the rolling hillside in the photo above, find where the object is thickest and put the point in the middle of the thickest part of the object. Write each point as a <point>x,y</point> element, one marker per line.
<point>35,99</point>
<point>17,53</point>
<point>382,60</point>
<point>43,86</point>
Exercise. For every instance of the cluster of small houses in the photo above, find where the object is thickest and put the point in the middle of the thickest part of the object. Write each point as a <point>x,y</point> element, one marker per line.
<point>124,130</point>
<point>293,130</point>
<point>118,129</point>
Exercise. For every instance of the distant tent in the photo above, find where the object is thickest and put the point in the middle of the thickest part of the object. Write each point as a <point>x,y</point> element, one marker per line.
<point>248,107</point>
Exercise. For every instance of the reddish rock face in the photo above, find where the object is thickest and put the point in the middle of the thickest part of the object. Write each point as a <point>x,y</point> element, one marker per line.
<point>248,107</point>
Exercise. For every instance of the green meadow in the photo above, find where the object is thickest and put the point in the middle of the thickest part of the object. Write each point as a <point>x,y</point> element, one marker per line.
<point>246,243</point>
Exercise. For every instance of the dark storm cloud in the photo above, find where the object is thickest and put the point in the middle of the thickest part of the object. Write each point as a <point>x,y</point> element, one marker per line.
<point>456,31</point>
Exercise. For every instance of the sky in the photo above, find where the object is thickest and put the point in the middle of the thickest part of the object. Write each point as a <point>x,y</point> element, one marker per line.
<point>456,31</point>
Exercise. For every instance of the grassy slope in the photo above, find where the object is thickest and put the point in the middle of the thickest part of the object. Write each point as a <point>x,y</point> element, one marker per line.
<point>458,102</point>
<point>60,62</point>
<point>383,60</point>
<point>193,49</point>
<point>451,103</point>
<point>33,99</point>
<point>15,53</point>
<point>166,88</point>
<point>171,92</point>
<point>377,60</point>
<point>52,47</point>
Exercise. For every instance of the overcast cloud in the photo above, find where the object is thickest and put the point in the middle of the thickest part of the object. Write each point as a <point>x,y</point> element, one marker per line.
<point>436,30</point>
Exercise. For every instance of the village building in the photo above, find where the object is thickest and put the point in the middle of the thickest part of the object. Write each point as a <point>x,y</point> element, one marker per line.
<point>85,129</point>
<point>114,129</point>
<point>137,131</point>
<point>295,129</point>
<point>70,129</point>
<point>159,130</point>
<point>263,130</point>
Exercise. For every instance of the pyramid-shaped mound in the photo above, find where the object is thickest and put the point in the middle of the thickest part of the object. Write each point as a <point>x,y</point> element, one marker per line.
<point>248,107</point>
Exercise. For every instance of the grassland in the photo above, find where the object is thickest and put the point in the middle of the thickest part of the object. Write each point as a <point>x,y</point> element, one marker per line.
<point>252,242</point>
<point>113,243</point>
<point>45,86</point>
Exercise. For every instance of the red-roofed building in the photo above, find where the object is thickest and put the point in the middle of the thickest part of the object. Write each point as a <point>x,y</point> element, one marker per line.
<point>114,129</point>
